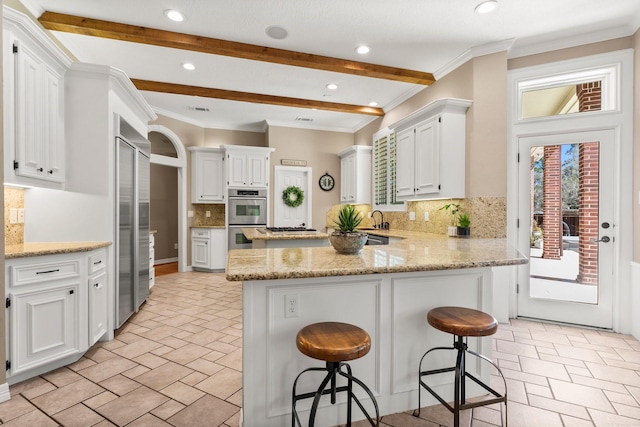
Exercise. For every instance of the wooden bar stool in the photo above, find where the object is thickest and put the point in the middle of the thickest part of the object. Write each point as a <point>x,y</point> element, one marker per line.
<point>462,323</point>
<point>334,343</point>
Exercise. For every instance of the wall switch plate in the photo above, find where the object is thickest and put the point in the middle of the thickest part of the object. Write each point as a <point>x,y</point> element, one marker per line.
<point>20,215</point>
<point>175,246</point>
<point>13,215</point>
<point>208,214</point>
<point>189,214</point>
<point>426,216</point>
<point>412,216</point>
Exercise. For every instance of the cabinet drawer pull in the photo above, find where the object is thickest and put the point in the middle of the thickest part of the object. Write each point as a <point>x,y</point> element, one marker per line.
<point>48,271</point>
<point>71,292</point>
<point>97,262</point>
<point>40,169</point>
<point>50,172</point>
<point>97,285</point>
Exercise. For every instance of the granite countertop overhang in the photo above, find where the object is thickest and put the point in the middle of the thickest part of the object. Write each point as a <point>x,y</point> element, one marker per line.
<point>50,248</point>
<point>413,251</point>
<point>260,233</point>
<point>209,226</point>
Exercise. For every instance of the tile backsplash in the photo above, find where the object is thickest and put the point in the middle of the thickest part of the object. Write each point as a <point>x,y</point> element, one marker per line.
<point>13,233</point>
<point>488,216</point>
<point>200,218</point>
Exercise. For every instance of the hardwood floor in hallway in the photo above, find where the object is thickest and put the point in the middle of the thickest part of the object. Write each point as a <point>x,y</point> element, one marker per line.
<point>178,362</point>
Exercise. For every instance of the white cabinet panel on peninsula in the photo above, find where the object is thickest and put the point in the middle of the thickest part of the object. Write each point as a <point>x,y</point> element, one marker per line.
<point>247,166</point>
<point>431,151</point>
<point>56,308</point>
<point>207,175</point>
<point>208,248</point>
<point>34,70</point>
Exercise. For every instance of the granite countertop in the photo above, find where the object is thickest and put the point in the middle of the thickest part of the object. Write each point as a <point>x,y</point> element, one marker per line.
<point>253,233</point>
<point>208,226</point>
<point>414,251</point>
<point>50,248</point>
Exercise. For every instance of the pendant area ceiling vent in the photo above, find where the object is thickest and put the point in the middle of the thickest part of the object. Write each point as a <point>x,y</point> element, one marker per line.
<point>304,119</point>
<point>199,109</point>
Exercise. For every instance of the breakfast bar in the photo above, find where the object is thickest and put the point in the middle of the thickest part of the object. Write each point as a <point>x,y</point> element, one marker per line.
<point>385,290</point>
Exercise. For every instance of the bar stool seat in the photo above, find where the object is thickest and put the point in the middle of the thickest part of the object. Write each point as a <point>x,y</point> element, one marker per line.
<point>334,343</point>
<point>462,323</point>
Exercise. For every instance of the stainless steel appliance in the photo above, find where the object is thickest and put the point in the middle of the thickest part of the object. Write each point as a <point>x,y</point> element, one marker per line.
<point>132,223</point>
<point>247,207</point>
<point>237,239</point>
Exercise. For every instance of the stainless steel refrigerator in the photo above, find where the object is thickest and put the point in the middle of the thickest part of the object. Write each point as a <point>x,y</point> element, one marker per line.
<point>132,216</point>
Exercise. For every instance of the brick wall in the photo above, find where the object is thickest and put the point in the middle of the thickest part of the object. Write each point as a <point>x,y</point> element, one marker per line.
<point>552,189</point>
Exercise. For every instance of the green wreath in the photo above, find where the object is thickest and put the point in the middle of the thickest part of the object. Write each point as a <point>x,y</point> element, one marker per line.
<point>293,196</point>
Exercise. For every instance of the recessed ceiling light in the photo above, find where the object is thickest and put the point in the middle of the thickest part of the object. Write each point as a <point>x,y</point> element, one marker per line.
<point>188,66</point>
<point>276,32</point>
<point>373,104</point>
<point>362,50</point>
<point>486,6</point>
<point>332,86</point>
<point>174,15</point>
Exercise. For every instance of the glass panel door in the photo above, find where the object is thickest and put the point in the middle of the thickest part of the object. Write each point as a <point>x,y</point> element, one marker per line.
<point>566,201</point>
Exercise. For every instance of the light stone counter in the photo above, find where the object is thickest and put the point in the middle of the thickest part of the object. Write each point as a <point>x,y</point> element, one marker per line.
<point>253,233</point>
<point>414,251</point>
<point>50,248</point>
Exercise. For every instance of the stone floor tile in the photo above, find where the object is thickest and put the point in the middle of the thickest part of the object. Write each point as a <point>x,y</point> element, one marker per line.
<point>194,378</point>
<point>119,384</point>
<point>404,419</point>
<point>99,355</point>
<point>15,408</point>
<point>108,368</point>
<point>575,422</point>
<point>232,360</point>
<point>572,352</point>
<point>33,418</point>
<point>222,384</point>
<point>36,383</point>
<point>61,377</point>
<point>204,366</point>
<point>78,416</point>
<point>222,347</point>
<point>550,369</point>
<point>574,410</point>
<point>182,393</point>
<point>441,416</point>
<point>627,411</point>
<point>528,416</point>
<point>614,374</point>
<point>136,371</point>
<point>204,337</point>
<point>131,406</point>
<point>599,384</point>
<point>164,375</point>
<point>67,396</point>
<point>624,398</point>
<point>100,399</point>
<point>236,398</point>
<point>550,337</point>
<point>137,348</point>
<point>148,420</point>
<point>150,360</point>
<point>574,370</point>
<point>525,377</point>
<point>208,410</point>
<point>167,409</point>
<point>82,363</point>
<point>518,348</point>
<point>186,354</point>
<point>607,419</point>
<point>539,390</point>
<point>580,395</point>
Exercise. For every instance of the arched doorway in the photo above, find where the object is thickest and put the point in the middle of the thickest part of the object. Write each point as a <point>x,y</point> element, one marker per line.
<point>170,152</point>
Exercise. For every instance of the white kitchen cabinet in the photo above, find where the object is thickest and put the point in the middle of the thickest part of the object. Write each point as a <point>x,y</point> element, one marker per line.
<point>207,175</point>
<point>208,249</point>
<point>34,70</point>
<point>152,260</point>
<point>247,166</point>
<point>430,148</point>
<point>56,309</point>
<point>355,174</point>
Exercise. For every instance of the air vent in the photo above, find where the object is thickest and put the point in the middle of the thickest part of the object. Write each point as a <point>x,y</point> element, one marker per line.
<point>304,119</point>
<point>199,109</point>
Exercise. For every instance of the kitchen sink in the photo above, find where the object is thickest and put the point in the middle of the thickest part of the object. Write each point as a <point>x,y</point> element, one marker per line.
<point>377,240</point>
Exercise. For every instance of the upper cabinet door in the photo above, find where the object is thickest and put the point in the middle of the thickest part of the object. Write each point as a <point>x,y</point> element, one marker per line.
<point>406,163</point>
<point>207,176</point>
<point>237,170</point>
<point>257,165</point>
<point>427,157</point>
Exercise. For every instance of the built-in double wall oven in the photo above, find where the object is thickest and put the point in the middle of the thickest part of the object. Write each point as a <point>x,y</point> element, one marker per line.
<point>247,208</point>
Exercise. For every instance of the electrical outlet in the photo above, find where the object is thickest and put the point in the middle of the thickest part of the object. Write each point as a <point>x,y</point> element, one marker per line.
<point>426,216</point>
<point>291,305</point>
<point>20,215</point>
<point>13,215</point>
<point>208,214</point>
<point>175,246</point>
<point>412,216</point>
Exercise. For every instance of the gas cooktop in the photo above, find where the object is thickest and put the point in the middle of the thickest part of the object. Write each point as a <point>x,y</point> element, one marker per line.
<point>289,229</point>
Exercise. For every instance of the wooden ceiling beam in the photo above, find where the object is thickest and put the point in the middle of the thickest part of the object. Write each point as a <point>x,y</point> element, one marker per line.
<point>231,95</point>
<point>131,33</point>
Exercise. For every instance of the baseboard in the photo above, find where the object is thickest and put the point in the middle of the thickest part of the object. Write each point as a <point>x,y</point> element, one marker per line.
<point>4,392</point>
<point>165,261</point>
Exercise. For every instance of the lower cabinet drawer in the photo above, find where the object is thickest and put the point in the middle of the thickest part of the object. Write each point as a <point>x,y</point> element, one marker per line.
<point>36,273</point>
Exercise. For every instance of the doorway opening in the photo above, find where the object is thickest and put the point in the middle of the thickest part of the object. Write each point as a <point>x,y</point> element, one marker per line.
<point>168,196</point>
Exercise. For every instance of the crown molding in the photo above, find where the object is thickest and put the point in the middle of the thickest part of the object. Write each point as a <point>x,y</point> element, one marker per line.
<point>485,49</point>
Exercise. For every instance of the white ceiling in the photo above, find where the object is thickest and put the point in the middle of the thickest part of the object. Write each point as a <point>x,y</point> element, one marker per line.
<point>423,35</point>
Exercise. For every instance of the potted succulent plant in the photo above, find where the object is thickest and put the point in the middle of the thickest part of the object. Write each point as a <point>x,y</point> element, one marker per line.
<point>346,240</point>
<point>464,223</point>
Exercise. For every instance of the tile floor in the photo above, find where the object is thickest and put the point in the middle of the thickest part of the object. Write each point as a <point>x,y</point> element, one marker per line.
<point>178,362</point>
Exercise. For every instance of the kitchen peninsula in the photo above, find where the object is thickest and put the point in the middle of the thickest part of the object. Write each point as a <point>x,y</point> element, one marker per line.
<point>386,290</point>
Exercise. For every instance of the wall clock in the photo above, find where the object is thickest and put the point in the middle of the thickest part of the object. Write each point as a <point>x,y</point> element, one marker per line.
<point>326,182</point>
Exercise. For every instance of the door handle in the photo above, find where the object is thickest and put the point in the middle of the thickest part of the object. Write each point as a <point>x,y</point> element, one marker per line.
<point>604,239</point>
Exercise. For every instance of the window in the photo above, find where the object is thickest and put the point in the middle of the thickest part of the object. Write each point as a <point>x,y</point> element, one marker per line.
<point>384,172</point>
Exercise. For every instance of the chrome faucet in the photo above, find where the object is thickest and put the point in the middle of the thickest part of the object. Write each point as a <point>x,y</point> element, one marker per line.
<point>381,219</point>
